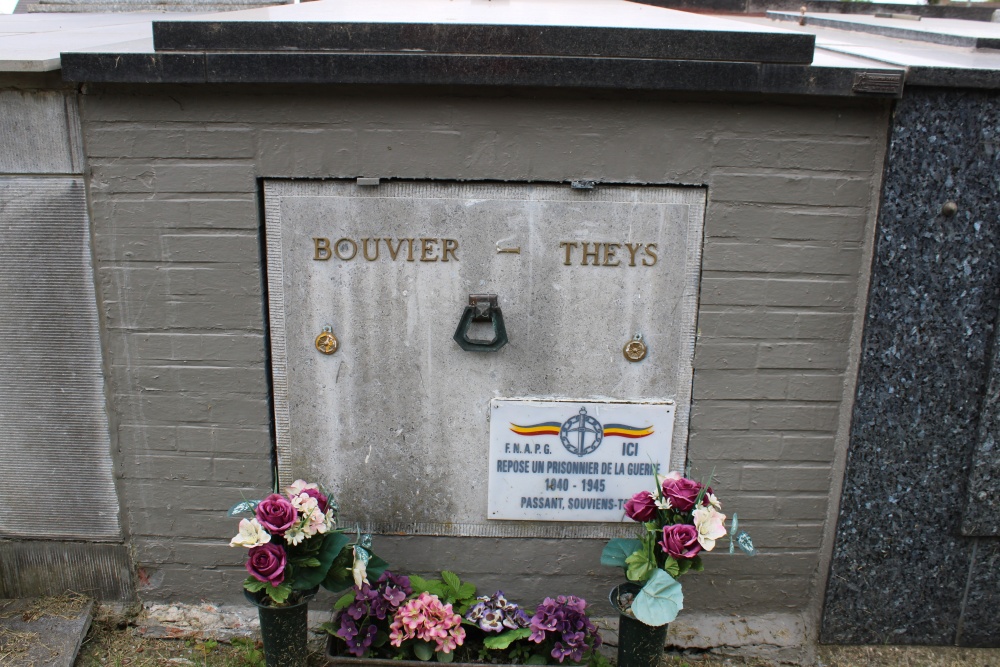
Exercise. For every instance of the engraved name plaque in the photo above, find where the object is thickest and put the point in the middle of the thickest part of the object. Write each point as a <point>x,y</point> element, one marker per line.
<point>373,396</point>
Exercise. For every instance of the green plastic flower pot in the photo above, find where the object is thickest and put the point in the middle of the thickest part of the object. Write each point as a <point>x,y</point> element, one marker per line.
<point>639,645</point>
<point>284,631</point>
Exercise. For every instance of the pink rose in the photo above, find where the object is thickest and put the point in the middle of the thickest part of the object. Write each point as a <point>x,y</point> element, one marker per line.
<point>680,541</point>
<point>276,514</point>
<point>267,563</point>
<point>641,507</point>
<point>681,492</point>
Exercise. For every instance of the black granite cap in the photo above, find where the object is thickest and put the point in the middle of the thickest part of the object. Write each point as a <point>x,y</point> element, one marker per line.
<point>452,70</point>
<point>589,28</point>
<point>515,40</point>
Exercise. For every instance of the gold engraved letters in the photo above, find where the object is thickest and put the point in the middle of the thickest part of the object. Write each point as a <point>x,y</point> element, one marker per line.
<point>408,250</point>
<point>609,254</point>
<point>582,253</point>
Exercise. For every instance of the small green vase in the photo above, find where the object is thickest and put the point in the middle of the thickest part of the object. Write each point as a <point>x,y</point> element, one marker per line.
<point>639,645</point>
<point>284,631</point>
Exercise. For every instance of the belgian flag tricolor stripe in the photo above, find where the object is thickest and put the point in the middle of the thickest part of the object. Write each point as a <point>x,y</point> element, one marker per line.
<point>552,428</point>
<point>548,428</point>
<point>627,431</point>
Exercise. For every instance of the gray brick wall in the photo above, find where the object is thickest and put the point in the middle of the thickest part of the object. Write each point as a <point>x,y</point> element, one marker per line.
<point>791,189</point>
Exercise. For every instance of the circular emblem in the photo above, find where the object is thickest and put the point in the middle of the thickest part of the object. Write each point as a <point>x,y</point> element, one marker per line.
<point>581,434</point>
<point>326,342</point>
<point>635,349</point>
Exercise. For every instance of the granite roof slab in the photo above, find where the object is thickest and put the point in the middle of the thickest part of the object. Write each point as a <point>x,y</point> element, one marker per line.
<point>926,63</point>
<point>592,28</point>
<point>952,32</point>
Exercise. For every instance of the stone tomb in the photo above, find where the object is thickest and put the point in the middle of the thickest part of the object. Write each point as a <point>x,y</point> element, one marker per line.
<point>396,419</point>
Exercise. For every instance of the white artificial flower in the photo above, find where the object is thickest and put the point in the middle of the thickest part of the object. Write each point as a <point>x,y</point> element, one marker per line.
<point>304,503</point>
<point>317,522</point>
<point>295,534</point>
<point>713,501</point>
<point>360,571</point>
<point>251,534</point>
<point>710,525</point>
<point>298,486</point>
<point>663,503</point>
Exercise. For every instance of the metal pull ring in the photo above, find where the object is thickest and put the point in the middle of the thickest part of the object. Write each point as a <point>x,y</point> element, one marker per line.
<point>481,308</point>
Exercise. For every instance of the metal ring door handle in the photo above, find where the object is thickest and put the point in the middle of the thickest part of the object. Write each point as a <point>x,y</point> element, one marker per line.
<point>481,308</point>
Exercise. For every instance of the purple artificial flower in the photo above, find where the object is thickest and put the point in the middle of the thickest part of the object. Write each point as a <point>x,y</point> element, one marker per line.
<point>573,649</point>
<point>641,507</point>
<point>389,593</point>
<point>681,492</point>
<point>680,541</point>
<point>476,611</point>
<point>496,612</point>
<point>491,621</point>
<point>357,642</point>
<point>515,618</point>
<point>276,514</point>
<point>266,563</point>
<point>358,626</point>
<point>565,621</point>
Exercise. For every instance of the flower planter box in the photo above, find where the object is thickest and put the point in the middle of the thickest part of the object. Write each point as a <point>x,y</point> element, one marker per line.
<point>333,657</point>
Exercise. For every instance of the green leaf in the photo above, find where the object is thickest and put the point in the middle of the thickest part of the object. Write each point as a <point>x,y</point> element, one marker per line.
<point>431,586</point>
<point>344,601</point>
<point>671,566</point>
<point>467,591</point>
<point>445,657</point>
<point>505,639</point>
<point>683,565</point>
<point>381,637</point>
<point>304,562</point>
<point>697,565</point>
<point>254,585</point>
<point>279,593</point>
<point>376,566</point>
<point>337,579</point>
<point>310,576</point>
<point>339,576</point>
<point>617,550</point>
<point>452,581</point>
<point>423,650</point>
<point>418,584</point>
<point>537,660</point>
<point>640,566</point>
<point>659,601</point>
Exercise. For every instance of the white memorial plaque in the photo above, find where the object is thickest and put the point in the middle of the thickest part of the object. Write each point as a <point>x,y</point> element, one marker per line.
<point>574,460</point>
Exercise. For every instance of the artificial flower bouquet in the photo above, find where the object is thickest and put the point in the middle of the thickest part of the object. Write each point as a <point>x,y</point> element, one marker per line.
<point>681,518</point>
<point>295,546</point>
<point>404,617</point>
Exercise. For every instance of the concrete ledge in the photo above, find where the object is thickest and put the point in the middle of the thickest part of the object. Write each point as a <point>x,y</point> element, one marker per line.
<point>30,568</point>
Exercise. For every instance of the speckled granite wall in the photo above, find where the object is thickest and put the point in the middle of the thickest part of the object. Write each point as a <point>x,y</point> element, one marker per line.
<point>903,571</point>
